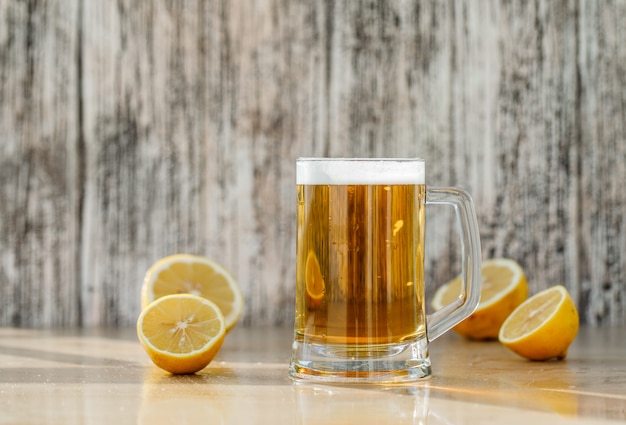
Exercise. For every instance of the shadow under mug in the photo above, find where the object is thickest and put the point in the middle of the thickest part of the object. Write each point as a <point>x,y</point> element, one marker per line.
<point>360,291</point>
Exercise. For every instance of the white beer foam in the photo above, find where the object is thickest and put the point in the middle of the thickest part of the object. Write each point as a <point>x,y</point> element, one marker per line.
<point>360,171</point>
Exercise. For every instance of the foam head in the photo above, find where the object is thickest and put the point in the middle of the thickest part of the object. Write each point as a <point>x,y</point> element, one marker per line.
<point>360,171</point>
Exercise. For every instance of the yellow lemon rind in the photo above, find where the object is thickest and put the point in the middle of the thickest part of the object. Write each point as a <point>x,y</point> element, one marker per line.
<point>182,363</point>
<point>484,323</point>
<point>517,276</point>
<point>147,293</point>
<point>553,337</point>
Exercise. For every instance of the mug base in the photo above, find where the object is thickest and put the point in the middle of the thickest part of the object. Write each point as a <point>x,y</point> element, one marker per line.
<point>394,363</point>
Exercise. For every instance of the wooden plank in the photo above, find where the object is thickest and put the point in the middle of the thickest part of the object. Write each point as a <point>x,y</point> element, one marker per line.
<point>39,164</point>
<point>191,146</point>
<point>146,155</point>
<point>602,162</point>
<point>533,215</point>
<point>132,130</point>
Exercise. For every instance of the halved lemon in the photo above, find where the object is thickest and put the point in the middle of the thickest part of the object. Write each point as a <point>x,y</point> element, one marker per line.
<point>543,327</point>
<point>181,333</point>
<point>503,288</point>
<point>314,281</point>
<point>196,275</point>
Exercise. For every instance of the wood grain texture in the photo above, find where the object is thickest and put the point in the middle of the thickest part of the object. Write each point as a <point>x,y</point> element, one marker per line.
<point>132,130</point>
<point>39,163</point>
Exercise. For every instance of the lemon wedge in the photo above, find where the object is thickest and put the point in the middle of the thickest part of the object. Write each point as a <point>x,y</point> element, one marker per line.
<point>543,327</point>
<point>503,288</point>
<point>196,275</point>
<point>181,333</point>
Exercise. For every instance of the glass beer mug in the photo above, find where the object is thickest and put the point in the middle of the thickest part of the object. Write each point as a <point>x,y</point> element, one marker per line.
<point>360,297</point>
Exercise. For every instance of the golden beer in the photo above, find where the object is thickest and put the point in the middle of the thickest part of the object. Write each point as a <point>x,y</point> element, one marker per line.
<point>360,308</point>
<point>359,273</point>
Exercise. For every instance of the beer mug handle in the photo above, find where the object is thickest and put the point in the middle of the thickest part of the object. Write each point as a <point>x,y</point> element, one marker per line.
<point>450,315</point>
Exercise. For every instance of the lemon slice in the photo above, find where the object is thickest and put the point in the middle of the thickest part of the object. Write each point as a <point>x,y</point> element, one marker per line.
<point>314,281</point>
<point>503,288</point>
<point>181,333</point>
<point>196,275</point>
<point>543,327</point>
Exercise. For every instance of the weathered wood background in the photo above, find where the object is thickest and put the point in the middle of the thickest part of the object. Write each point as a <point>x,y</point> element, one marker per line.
<point>134,129</point>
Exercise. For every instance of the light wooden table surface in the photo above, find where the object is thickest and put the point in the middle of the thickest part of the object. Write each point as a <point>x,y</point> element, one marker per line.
<point>103,376</point>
